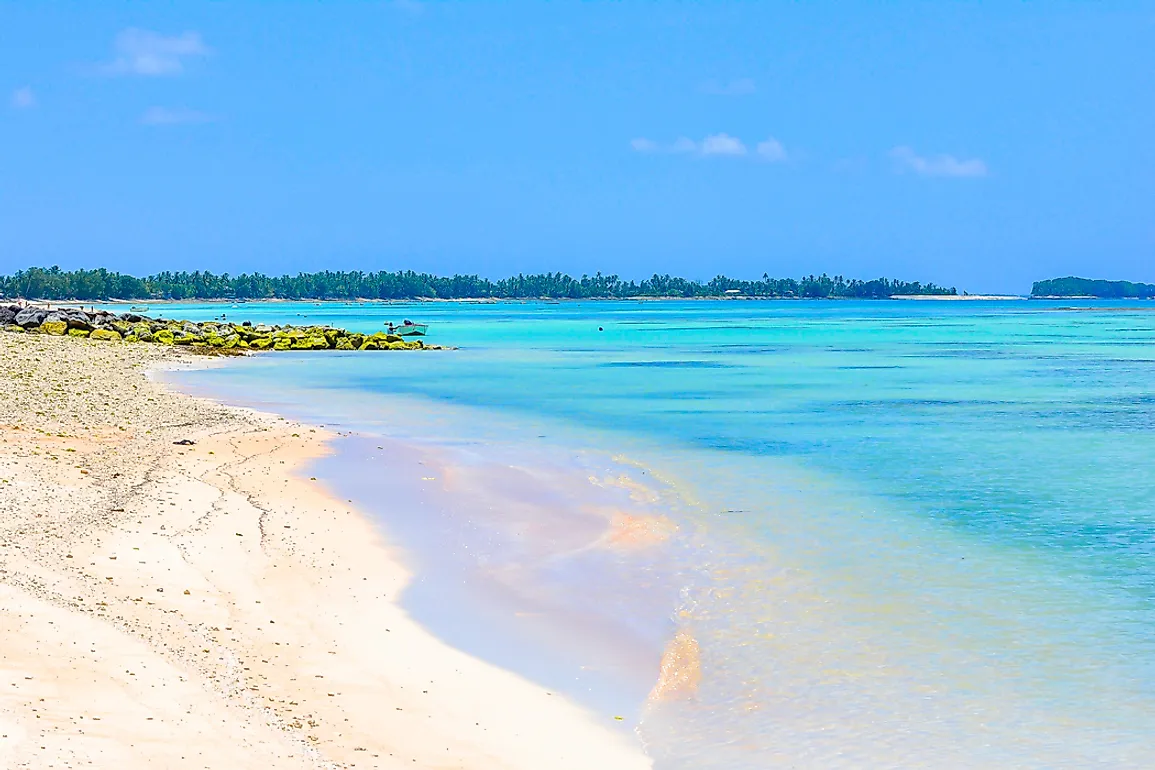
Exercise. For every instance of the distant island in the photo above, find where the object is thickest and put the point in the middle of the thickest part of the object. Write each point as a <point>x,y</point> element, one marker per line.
<point>94,285</point>
<point>1087,287</point>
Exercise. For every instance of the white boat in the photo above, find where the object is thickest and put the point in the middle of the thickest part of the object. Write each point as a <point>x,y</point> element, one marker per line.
<point>409,330</point>
<point>138,308</point>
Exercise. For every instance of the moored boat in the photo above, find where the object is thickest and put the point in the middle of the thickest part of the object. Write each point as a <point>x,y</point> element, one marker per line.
<point>138,308</point>
<point>408,329</point>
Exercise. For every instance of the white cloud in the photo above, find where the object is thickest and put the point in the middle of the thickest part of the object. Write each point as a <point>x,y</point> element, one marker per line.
<point>739,87</point>
<point>140,52</point>
<point>937,165</point>
<point>172,116</point>
<point>23,98</point>
<point>722,144</point>
<point>772,150</point>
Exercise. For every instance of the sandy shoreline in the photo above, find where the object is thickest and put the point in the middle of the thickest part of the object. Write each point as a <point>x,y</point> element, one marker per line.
<point>168,606</point>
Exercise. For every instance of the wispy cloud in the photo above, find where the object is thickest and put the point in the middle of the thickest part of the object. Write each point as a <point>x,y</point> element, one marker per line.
<point>937,165</point>
<point>679,146</point>
<point>174,116</point>
<point>715,144</point>
<point>771,150</point>
<point>722,144</point>
<point>141,52</point>
<point>739,87</point>
<point>23,98</point>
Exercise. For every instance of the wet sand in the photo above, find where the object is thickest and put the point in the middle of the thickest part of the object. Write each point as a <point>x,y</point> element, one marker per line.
<point>205,606</point>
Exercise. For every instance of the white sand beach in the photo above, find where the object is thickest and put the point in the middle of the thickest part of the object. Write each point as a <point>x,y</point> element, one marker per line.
<point>206,607</point>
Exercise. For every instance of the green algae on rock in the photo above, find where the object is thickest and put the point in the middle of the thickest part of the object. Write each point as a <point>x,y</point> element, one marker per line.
<point>217,337</point>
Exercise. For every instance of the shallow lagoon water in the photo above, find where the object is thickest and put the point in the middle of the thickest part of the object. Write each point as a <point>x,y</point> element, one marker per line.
<point>907,533</point>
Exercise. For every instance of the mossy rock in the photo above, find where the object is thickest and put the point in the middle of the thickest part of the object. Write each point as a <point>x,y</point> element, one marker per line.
<point>316,342</point>
<point>222,335</point>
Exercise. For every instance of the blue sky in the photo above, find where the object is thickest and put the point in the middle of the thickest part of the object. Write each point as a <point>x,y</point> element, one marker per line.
<point>977,145</point>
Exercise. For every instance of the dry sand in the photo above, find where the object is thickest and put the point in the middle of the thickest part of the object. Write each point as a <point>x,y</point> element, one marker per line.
<point>204,607</point>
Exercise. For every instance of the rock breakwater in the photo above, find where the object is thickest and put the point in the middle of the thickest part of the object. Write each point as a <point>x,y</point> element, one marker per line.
<point>217,336</point>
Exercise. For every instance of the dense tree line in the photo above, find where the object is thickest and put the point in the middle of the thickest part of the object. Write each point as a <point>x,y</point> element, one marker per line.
<point>100,284</point>
<point>1086,287</point>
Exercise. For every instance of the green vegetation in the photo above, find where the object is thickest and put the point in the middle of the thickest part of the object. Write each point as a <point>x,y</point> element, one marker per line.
<point>56,284</point>
<point>1087,287</point>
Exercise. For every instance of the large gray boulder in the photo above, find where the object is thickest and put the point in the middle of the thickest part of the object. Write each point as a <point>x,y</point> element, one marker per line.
<point>7,316</point>
<point>30,317</point>
<point>78,319</point>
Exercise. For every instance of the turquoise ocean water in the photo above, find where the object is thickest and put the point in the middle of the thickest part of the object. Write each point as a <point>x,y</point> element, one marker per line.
<point>902,533</point>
